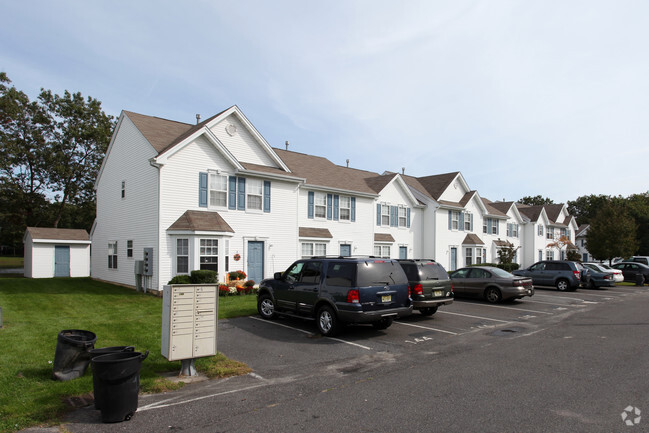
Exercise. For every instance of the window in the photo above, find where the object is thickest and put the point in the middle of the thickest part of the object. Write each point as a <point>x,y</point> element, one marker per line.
<point>540,255</point>
<point>123,189</point>
<point>341,274</point>
<point>403,218</point>
<point>209,254</point>
<point>455,220</point>
<point>320,205</point>
<point>182,256</point>
<point>129,248</point>
<point>549,254</point>
<point>385,215</point>
<point>382,251</point>
<point>549,234</point>
<point>218,190</point>
<point>469,256</point>
<point>512,230</point>
<point>494,227</point>
<point>310,249</point>
<point>112,255</point>
<point>255,194</point>
<point>468,219</point>
<point>345,208</point>
<point>540,230</point>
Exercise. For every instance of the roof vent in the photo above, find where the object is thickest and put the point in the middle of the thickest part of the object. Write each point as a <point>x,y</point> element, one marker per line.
<point>286,144</point>
<point>403,170</point>
<point>198,119</point>
<point>348,163</point>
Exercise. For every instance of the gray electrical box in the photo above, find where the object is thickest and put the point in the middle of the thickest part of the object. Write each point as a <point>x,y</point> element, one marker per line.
<point>189,325</point>
<point>148,261</point>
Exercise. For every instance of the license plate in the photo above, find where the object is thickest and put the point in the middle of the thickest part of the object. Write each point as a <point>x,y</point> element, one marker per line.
<point>386,298</point>
<point>439,293</point>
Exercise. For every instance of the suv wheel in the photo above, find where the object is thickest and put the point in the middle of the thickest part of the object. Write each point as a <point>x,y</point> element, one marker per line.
<point>327,321</point>
<point>428,311</point>
<point>266,307</point>
<point>492,295</point>
<point>562,284</point>
<point>384,323</point>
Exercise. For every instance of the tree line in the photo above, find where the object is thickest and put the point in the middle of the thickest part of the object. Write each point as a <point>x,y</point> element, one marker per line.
<point>51,151</point>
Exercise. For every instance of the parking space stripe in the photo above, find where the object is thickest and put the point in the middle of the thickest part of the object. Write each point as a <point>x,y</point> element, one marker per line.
<point>309,333</point>
<point>559,304</point>
<point>427,327</point>
<point>516,309</point>
<point>474,317</point>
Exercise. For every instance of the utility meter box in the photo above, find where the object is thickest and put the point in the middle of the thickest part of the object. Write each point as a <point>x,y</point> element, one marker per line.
<point>148,262</point>
<point>189,325</point>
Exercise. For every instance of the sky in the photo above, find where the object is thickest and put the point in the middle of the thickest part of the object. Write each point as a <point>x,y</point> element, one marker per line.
<point>524,98</point>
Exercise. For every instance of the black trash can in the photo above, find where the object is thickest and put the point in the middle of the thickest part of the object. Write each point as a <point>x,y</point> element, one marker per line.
<point>117,381</point>
<point>98,352</point>
<point>72,353</point>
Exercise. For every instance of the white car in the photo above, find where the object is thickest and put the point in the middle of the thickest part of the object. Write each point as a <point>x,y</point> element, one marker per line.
<point>599,267</point>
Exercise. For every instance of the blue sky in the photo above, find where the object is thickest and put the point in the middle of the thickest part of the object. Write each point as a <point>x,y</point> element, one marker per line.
<point>524,98</point>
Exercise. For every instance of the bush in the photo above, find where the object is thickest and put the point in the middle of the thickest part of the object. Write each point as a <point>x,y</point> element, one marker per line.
<point>204,277</point>
<point>180,279</point>
<point>237,275</point>
<point>249,283</point>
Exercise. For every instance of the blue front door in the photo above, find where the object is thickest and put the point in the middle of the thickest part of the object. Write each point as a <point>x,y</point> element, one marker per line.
<point>61,261</point>
<point>256,261</point>
<point>403,252</point>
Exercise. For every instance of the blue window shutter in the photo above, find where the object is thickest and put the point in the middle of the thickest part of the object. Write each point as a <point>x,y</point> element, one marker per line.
<point>408,217</point>
<point>241,193</point>
<point>497,228</point>
<point>471,221</point>
<point>329,206</point>
<point>450,219</point>
<point>336,206</point>
<point>353,216</point>
<point>489,225</point>
<point>232,192</point>
<point>461,221</point>
<point>394,216</point>
<point>378,214</point>
<point>202,189</point>
<point>266,196</point>
<point>311,204</point>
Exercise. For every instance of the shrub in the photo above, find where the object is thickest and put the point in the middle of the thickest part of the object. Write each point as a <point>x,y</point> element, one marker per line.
<point>249,283</point>
<point>204,277</point>
<point>180,279</point>
<point>237,275</point>
<point>224,290</point>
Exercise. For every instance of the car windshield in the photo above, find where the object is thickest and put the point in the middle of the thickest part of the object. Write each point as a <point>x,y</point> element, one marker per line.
<point>501,273</point>
<point>595,267</point>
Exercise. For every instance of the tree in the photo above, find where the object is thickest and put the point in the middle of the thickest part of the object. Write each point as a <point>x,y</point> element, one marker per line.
<point>612,233</point>
<point>638,208</point>
<point>535,201</point>
<point>585,207</point>
<point>81,133</point>
<point>506,255</point>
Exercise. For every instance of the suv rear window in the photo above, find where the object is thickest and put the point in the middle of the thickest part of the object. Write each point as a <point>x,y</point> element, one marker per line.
<point>380,272</point>
<point>432,271</point>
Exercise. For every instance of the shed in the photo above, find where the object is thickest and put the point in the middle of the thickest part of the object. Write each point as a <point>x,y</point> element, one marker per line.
<point>51,252</point>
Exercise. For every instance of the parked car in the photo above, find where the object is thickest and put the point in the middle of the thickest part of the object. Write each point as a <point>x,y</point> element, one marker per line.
<point>430,285</point>
<point>640,259</point>
<point>563,274</point>
<point>336,291</point>
<point>491,283</point>
<point>599,267</point>
<point>631,269</point>
<point>599,279</point>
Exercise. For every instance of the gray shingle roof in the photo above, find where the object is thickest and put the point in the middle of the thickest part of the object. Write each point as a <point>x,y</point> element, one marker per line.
<point>312,232</point>
<point>58,234</point>
<point>194,220</point>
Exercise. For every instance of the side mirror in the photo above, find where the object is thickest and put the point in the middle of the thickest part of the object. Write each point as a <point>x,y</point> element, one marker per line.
<point>278,275</point>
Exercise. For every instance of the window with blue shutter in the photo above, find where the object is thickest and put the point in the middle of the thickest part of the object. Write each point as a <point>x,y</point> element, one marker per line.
<point>461,221</point>
<point>241,193</point>
<point>336,206</point>
<point>394,216</point>
<point>311,204</point>
<point>378,214</point>
<point>266,196</point>
<point>329,206</point>
<point>232,192</point>
<point>353,211</point>
<point>202,189</point>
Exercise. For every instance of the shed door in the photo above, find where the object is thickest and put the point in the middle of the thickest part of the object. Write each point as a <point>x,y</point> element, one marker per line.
<point>255,261</point>
<point>61,261</point>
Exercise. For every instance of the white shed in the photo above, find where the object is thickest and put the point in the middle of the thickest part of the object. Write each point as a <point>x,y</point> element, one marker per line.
<point>51,252</point>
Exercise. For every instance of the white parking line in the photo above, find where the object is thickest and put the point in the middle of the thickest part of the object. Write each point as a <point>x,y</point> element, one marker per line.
<point>426,327</point>
<point>516,309</point>
<point>559,297</point>
<point>556,304</point>
<point>309,333</point>
<point>474,317</point>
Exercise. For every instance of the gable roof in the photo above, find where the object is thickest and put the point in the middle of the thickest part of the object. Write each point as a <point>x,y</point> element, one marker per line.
<point>161,133</point>
<point>436,185</point>
<point>531,212</point>
<point>472,239</point>
<point>313,232</point>
<point>56,234</point>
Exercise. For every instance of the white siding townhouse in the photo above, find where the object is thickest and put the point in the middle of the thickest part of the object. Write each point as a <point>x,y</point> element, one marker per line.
<point>217,196</point>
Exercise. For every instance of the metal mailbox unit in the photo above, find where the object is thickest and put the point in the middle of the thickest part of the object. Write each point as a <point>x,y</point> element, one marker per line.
<point>189,325</point>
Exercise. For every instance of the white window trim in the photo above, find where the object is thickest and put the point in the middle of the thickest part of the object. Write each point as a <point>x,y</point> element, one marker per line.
<point>223,177</point>
<point>251,184</point>
<point>322,205</point>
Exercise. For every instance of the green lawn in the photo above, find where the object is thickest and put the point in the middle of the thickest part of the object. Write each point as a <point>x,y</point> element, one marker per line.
<point>11,262</point>
<point>36,310</point>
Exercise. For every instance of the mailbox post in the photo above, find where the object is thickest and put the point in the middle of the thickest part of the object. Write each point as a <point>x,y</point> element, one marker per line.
<point>189,323</point>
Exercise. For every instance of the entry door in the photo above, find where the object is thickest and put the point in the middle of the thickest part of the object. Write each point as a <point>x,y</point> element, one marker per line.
<point>403,252</point>
<point>345,250</point>
<point>61,261</point>
<point>256,261</point>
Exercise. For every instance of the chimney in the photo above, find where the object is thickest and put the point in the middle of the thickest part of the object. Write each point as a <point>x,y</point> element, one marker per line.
<point>348,163</point>
<point>198,119</point>
<point>286,144</point>
<point>403,170</point>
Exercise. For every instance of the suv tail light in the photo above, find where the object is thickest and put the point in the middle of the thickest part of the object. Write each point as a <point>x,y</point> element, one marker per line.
<point>353,296</point>
<point>577,274</point>
<point>451,287</point>
<point>419,289</point>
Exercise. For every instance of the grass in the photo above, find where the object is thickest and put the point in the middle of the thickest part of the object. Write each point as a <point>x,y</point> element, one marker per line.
<point>36,310</point>
<point>11,262</point>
